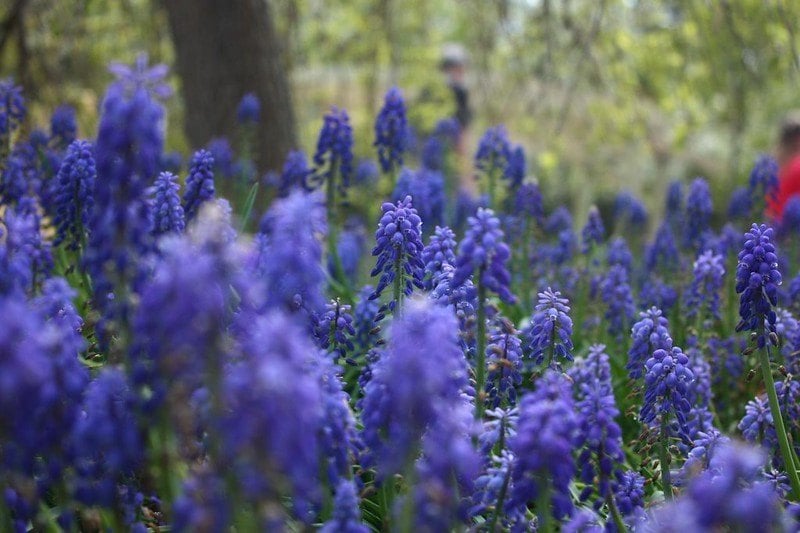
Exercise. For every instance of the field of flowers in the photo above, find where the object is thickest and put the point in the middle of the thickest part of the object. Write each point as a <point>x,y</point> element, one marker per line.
<point>170,361</point>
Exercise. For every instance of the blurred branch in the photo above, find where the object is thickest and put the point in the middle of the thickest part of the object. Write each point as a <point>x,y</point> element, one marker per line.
<point>10,22</point>
<point>784,16</point>
<point>586,51</point>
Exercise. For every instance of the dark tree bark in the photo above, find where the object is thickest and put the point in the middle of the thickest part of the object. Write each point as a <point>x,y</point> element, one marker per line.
<point>225,49</point>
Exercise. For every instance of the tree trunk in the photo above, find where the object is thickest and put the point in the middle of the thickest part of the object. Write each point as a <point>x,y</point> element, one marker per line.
<point>225,49</point>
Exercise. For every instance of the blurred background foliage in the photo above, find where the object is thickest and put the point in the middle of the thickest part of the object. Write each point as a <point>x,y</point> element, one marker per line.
<point>603,94</point>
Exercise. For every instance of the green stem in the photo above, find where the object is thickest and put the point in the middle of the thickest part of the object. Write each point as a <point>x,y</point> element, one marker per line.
<point>615,514</point>
<point>543,510</point>
<point>663,452</point>
<point>397,286</point>
<point>500,500</point>
<point>480,355</point>
<point>551,352</point>
<point>777,417</point>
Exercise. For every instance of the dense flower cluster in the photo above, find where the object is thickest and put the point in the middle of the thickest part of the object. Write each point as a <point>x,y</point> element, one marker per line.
<point>666,387</point>
<point>161,371</point>
<point>391,131</point>
<point>550,332</point>
<point>483,252</point>
<point>757,280</point>
<point>546,436</point>
<point>168,214</point>
<point>75,193</point>
<point>249,110</point>
<point>702,298</point>
<point>398,247</point>
<point>199,184</point>
<point>334,155</point>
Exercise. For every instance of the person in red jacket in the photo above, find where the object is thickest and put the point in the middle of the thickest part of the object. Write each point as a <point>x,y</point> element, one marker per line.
<point>788,157</point>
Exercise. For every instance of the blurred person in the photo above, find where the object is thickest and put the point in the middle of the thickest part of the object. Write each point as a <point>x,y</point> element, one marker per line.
<point>454,66</point>
<point>788,158</point>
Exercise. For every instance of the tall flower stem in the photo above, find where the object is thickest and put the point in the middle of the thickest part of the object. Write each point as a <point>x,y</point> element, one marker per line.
<point>663,452</point>
<point>480,355</point>
<point>777,417</point>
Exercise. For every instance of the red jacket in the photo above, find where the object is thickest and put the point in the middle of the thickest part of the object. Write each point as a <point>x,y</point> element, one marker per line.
<point>788,186</point>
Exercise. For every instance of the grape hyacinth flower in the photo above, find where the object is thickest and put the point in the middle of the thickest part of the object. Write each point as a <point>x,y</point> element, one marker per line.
<point>674,205</point>
<point>63,129</point>
<point>199,184</point>
<point>757,280</point>
<point>127,153</point>
<point>107,442</point>
<point>483,253</point>
<point>295,172</point>
<point>629,496</point>
<point>790,220</point>
<point>763,182</point>
<point>335,331</point>
<point>543,446</point>
<point>700,397</point>
<point>600,437</point>
<point>289,260</point>
<point>391,131</point>
<point>516,168</point>
<point>167,212</point>
<point>619,254</point>
<point>25,256</point>
<point>504,357</point>
<point>346,514</point>
<point>702,297</point>
<point>408,394</point>
<point>12,112</point>
<point>75,195</point>
<point>141,76</point>
<point>224,159</point>
<point>620,308</point>
<point>440,250</point>
<point>333,167</point>
<point>549,335</point>
<point>178,327</point>
<point>249,109</point>
<point>757,424</point>
<point>731,495</point>
<point>272,387</point>
<point>492,158</point>
<point>629,210</point>
<point>740,205</point>
<point>398,247</point>
<point>350,249</point>
<point>203,503</point>
<point>334,154</point>
<point>365,321</point>
<point>446,471</point>
<point>433,154</point>
<point>491,485</point>
<point>426,187</point>
<point>662,254</point>
<point>593,233</point>
<point>666,391</point>
<point>528,203</point>
<point>698,213</point>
